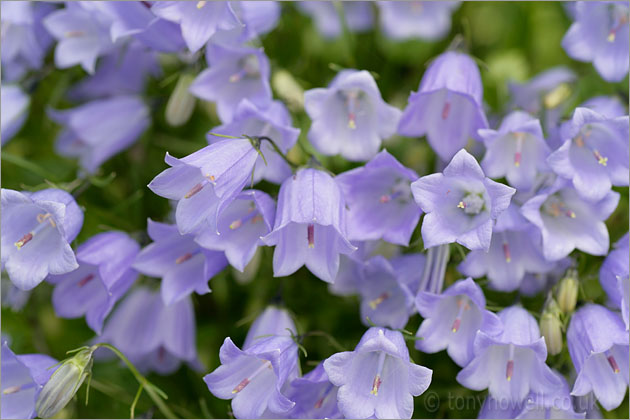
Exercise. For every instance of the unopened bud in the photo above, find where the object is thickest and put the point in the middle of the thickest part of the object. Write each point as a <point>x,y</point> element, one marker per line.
<point>181,103</point>
<point>568,291</point>
<point>64,383</point>
<point>288,89</point>
<point>551,327</point>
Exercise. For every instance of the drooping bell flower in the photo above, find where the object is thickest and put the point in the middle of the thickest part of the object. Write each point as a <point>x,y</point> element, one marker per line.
<point>600,35</point>
<point>448,106</point>
<point>608,106</point>
<point>350,117</point>
<point>511,364</point>
<point>358,15</point>
<point>253,378</point>
<point>452,319</point>
<point>273,321</point>
<point>613,276</point>
<point>241,225</point>
<point>595,154</point>
<point>379,201</point>
<point>314,395</point>
<point>461,204</point>
<point>567,221</point>
<point>516,151</point>
<point>23,377</point>
<point>104,276</point>
<point>426,20</point>
<point>206,181</point>
<point>154,336</point>
<point>273,121</point>
<point>598,344</point>
<point>377,379</point>
<point>14,104</point>
<point>97,130</point>
<point>235,73</point>
<point>310,226</point>
<point>184,266</point>
<point>37,229</point>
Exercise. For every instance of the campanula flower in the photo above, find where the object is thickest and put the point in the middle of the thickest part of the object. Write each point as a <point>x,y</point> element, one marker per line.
<point>448,106</point>
<point>310,226</point>
<point>253,377</point>
<point>598,344</point>
<point>314,395</point>
<point>104,276</point>
<point>595,154</point>
<point>273,121</point>
<point>273,321</point>
<point>23,377</point>
<point>511,364</point>
<point>461,204</point>
<point>613,276</point>
<point>567,221</point>
<point>37,229</point>
<point>600,35</point>
<point>97,130</point>
<point>426,20</point>
<point>235,73</point>
<point>379,201</point>
<point>452,319</point>
<point>183,265</point>
<point>377,379</point>
<point>358,15</point>
<point>14,104</point>
<point>350,117</point>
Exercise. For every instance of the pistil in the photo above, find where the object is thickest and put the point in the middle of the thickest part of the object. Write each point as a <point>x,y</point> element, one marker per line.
<point>44,220</point>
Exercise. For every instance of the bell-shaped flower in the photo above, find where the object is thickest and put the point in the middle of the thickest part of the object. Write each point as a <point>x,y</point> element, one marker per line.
<point>14,104</point>
<point>448,106</point>
<point>310,226</point>
<point>184,266</point>
<point>23,377</point>
<point>350,117</point>
<point>272,121</point>
<point>426,20</point>
<point>461,204</point>
<point>452,319</point>
<point>235,73</point>
<point>595,155</point>
<point>37,229</point>
<point>155,337</point>
<point>600,35</point>
<point>567,221</point>
<point>241,225</point>
<point>516,151</point>
<point>273,321</point>
<point>613,276</point>
<point>104,276</point>
<point>511,364</point>
<point>598,344</point>
<point>314,395</point>
<point>206,181</point>
<point>358,15</point>
<point>253,377</point>
<point>379,201</point>
<point>97,130</point>
<point>377,379</point>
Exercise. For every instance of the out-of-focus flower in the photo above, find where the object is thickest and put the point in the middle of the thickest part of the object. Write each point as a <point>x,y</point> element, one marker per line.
<point>14,104</point>
<point>608,106</point>
<point>273,321</point>
<point>547,89</point>
<point>12,297</point>
<point>613,276</point>
<point>36,231</point>
<point>567,292</point>
<point>257,18</point>
<point>427,20</point>
<point>358,15</point>
<point>314,395</point>
<point>551,326</point>
<point>181,103</point>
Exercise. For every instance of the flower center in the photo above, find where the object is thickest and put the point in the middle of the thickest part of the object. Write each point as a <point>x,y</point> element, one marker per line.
<point>380,299</point>
<point>241,385</point>
<point>519,137</point>
<point>472,203</point>
<point>376,383</point>
<point>580,141</point>
<point>252,215</point>
<point>44,220</point>
<point>463,305</point>
<point>400,189</point>
<point>555,207</point>
<point>619,18</point>
<point>249,69</point>
<point>351,100</point>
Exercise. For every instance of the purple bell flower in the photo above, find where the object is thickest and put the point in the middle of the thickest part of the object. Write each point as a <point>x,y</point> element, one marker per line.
<point>377,379</point>
<point>448,106</point>
<point>37,229</point>
<point>273,321</point>
<point>613,276</point>
<point>461,204</point>
<point>350,117</point>
<point>314,395</point>
<point>241,225</point>
<point>14,104</point>
<point>155,337</point>
<point>205,182</point>
<point>253,378</point>
<point>183,265</point>
<point>426,20</point>
<point>273,121</point>
<point>600,35</point>
<point>359,16</point>
<point>598,344</point>
<point>96,131</point>
<point>235,73</point>
<point>516,151</point>
<point>23,377</point>
<point>566,221</point>
<point>452,319</point>
<point>608,106</point>
<point>310,226</point>
<point>379,201</point>
<point>104,276</point>
<point>595,155</point>
<point>512,364</point>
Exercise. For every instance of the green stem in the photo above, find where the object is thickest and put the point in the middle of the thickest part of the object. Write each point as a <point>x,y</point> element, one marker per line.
<point>135,401</point>
<point>278,151</point>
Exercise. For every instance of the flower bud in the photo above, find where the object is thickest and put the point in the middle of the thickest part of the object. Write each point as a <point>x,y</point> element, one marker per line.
<point>551,327</point>
<point>181,103</point>
<point>568,291</point>
<point>64,383</point>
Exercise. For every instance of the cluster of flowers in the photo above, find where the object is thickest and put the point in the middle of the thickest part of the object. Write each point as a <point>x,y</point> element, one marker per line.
<point>520,236</point>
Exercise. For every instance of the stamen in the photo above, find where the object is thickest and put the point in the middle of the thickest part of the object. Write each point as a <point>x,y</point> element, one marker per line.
<point>519,148</point>
<point>382,297</point>
<point>241,386</point>
<point>472,203</point>
<point>446,110</point>
<point>509,369</point>
<point>25,239</point>
<point>310,235</point>
<point>41,219</point>
<point>74,34</point>
<point>12,390</point>
<point>352,121</point>
<point>462,303</point>
<point>237,76</point>
<point>161,354</point>
<point>351,103</point>
<point>183,258</point>
<point>252,215</point>
<point>612,362</point>
<point>320,401</point>
<point>194,190</point>
<point>85,280</point>
<point>461,205</point>
<point>386,198</point>
<point>602,160</point>
<point>506,248</point>
<point>248,380</point>
<point>200,4</point>
<point>376,383</point>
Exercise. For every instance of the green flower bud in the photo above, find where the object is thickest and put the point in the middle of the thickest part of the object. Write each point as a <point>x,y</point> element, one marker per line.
<point>568,291</point>
<point>551,327</point>
<point>181,104</point>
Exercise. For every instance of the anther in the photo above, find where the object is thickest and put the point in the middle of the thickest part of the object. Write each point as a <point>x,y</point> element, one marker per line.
<point>446,110</point>
<point>85,280</point>
<point>183,258</point>
<point>310,235</point>
<point>612,362</point>
<point>382,297</point>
